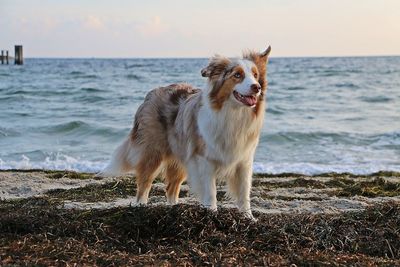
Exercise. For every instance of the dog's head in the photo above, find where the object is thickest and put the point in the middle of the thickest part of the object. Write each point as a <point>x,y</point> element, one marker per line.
<point>239,81</point>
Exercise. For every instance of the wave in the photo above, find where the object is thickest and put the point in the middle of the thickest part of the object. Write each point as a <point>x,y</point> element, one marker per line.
<point>20,92</point>
<point>334,72</point>
<point>64,162</point>
<point>60,162</point>
<point>313,168</point>
<point>390,139</point>
<point>37,92</point>
<point>80,128</point>
<point>5,132</point>
<point>331,73</point>
<point>138,65</point>
<point>296,88</point>
<point>384,139</point>
<point>306,137</point>
<point>133,77</point>
<point>76,73</point>
<point>82,75</point>
<point>346,85</point>
<point>13,98</point>
<point>376,99</point>
<point>92,90</point>
<point>89,76</point>
<point>275,111</point>
<point>65,127</point>
<point>89,99</point>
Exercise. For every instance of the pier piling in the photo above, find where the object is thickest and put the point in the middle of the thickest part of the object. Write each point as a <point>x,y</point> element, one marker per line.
<point>7,57</point>
<point>19,60</point>
<point>2,57</point>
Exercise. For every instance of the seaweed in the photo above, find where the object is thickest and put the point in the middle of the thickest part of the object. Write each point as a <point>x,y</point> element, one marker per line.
<point>296,182</point>
<point>374,188</point>
<point>370,187</point>
<point>40,233</point>
<point>71,175</point>
<point>122,188</point>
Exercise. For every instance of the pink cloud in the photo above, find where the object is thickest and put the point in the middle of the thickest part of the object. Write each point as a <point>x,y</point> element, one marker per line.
<point>152,28</point>
<point>93,23</point>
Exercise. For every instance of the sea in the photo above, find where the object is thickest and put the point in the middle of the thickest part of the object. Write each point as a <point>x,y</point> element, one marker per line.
<point>333,114</point>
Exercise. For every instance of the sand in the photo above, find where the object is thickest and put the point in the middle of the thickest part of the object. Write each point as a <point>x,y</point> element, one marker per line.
<point>269,195</point>
<point>23,184</point>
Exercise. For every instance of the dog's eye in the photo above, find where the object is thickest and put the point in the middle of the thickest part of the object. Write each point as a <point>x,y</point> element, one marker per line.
<point>255,75</point>
<point>237,75</point>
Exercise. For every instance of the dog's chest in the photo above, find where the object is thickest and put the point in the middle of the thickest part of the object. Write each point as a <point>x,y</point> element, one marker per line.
<point>229,137</point>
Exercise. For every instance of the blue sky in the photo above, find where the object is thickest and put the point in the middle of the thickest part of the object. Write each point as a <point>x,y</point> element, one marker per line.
<point>178,28</point>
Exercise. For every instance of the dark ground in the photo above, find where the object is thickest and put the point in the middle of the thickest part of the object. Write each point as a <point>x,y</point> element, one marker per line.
<point>35,232</point>
<point>39,231</point>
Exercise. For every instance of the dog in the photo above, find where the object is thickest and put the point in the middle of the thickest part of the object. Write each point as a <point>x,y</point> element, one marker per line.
<point>199,135</point>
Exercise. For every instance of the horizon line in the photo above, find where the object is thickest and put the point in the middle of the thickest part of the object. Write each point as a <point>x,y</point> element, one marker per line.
<point>202,57</point>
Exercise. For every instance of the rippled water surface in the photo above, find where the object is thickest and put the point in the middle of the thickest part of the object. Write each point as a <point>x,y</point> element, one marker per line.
<point>323,114</point>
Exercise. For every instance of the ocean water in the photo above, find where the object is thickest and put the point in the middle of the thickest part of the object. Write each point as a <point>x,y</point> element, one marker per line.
<point>323,114</point>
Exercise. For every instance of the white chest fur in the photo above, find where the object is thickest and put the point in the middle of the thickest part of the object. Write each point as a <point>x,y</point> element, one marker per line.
<point>230,134</point>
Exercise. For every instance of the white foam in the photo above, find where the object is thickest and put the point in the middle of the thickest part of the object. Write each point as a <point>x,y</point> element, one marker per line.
<point>312,168</point>
<point>60,162</point>
<point>64,162</point>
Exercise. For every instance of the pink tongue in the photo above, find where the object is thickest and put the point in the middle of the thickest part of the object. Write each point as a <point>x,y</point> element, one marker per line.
<point>249,100</point>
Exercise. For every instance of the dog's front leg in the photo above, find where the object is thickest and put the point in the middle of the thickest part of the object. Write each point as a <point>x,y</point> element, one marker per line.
<point>209,196</point>
<point>239,186</point>
<point>202,182</point>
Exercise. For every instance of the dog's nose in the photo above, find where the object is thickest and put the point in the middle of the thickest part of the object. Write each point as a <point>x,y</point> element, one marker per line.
<point>255,88</point>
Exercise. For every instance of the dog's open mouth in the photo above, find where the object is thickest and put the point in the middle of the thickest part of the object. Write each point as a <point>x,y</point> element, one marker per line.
<point>248,100</point>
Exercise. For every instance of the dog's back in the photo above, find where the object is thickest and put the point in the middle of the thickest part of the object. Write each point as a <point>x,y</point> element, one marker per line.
<point>153,122</point>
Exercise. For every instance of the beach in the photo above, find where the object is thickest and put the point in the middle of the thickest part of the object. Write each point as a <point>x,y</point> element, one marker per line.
<point>97,88</point>
<point>62,218</point>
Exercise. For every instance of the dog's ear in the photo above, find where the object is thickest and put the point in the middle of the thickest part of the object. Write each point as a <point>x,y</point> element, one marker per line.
<point>206,72</point>
<point>266,53</point>
<point>216,66</point>
<point>261,60</point>
<point>257,58</point>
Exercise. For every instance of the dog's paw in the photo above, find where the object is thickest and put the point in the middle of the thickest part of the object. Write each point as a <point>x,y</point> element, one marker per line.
<point>249,215</point>
<point>136,203</point>
<point>210,207</point>
<point>172,202</point>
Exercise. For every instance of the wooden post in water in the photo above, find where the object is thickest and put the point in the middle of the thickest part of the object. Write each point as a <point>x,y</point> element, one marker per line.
<point>7,57</point>
<point>2,57</point>
<point>19,59</point>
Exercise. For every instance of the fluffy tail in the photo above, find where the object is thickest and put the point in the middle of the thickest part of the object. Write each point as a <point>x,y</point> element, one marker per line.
<point>123,160</point>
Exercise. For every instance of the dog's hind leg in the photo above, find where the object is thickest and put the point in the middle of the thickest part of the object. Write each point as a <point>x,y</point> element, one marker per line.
<point>146,170</point>
<point>175,174</point>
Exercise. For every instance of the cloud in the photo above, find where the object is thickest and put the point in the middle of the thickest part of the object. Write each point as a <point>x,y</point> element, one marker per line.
<point>152,28</point>
<point>49,24</point>
<point>93,23</point>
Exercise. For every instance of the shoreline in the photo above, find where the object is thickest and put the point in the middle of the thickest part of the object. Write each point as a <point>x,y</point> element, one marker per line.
<point>255,174</point>
<point>271,193</point>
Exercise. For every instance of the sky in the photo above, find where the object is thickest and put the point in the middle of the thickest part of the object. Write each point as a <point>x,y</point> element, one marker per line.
<point>179,28</point>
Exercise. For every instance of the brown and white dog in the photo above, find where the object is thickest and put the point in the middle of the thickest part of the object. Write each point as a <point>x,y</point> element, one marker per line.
<point>199,135</point>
